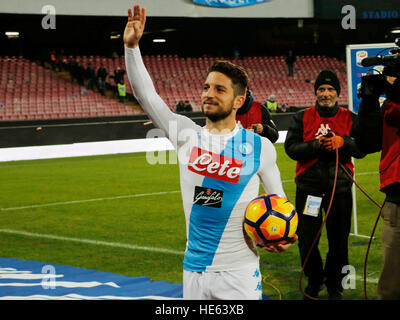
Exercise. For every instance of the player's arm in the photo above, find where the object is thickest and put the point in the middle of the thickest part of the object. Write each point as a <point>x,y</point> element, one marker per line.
<point>271,180</point>
<point>140,80</point>
<point>269,172</point>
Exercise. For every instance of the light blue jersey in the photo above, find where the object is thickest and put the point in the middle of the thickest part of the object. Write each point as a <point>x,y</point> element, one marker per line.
<point>208,222</point>
<point>219,174</point>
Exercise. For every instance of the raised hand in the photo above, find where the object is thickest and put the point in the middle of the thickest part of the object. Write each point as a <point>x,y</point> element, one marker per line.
<point>135,26</point>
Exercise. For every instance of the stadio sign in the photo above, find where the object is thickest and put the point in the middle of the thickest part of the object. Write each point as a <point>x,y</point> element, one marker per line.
<point>365,9</point>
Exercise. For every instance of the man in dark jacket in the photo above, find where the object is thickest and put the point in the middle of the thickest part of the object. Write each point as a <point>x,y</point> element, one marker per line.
<point>252,115</point>
<point>312,140</point>
<point>380,131</point>
<point>91,76</point>
<point>290,60</point>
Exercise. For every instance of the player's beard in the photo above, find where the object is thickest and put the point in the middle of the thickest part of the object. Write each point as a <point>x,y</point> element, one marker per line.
<point>219,114</point>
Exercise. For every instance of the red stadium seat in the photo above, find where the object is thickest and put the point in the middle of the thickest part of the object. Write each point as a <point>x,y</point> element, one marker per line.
<point>29,91</point>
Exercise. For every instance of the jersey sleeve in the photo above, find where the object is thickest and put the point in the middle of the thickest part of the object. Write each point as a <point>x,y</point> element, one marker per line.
<point>146,94</point>
<point>269,173</point>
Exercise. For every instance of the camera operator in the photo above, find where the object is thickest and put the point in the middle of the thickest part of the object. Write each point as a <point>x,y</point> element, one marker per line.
<point>380,131</point>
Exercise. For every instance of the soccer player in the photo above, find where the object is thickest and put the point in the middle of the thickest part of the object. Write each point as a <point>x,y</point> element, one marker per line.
<point>221,166</point>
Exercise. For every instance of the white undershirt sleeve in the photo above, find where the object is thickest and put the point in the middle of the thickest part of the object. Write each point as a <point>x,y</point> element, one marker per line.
<point>146,94</point>
<point>269,172</point>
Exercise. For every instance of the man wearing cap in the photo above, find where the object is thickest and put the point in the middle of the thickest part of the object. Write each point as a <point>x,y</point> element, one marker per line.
<point>314,136</point>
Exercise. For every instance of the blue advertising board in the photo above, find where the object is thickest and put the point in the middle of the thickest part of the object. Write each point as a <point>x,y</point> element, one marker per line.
<point>228,3</point>
<point>355,71</point>
<point>32,280</point>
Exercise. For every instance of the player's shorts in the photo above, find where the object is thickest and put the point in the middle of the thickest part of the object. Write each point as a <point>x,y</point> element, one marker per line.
<point>243,284</point>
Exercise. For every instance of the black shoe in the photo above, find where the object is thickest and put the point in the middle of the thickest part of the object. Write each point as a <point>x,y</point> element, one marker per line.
<point>335,294</point>
<point>312,291</point>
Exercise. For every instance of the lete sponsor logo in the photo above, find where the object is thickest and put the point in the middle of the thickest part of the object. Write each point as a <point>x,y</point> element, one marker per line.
<point>215,165</point>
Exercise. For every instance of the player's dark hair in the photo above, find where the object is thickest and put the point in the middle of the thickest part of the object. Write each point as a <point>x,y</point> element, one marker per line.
<point>234,72</point>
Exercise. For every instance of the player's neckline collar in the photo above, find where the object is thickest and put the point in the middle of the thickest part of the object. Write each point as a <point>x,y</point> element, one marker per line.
<point>225,135</point>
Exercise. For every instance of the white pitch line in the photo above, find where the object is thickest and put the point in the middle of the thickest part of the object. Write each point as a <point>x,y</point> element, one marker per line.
<point>88,200</point>
<point>366,173</point>
<point>135,247</point>
<point>298,269</point>
<point>120,197</point>
<point>94,242</point>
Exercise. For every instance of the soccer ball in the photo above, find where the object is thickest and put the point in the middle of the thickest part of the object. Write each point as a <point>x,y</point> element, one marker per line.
<point>270,219</point>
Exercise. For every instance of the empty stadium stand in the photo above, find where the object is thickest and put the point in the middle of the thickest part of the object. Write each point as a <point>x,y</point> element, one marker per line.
<point>29,91</point>
<point>178,78</point>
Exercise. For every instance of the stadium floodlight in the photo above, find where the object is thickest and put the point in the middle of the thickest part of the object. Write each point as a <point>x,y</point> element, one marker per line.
<point>168,30</point>
<point>159,40</point>
<point>115,35</point>
<point>12,34</point>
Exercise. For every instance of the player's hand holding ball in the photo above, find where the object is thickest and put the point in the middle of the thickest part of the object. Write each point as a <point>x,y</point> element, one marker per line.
<point>278,248</point>
<point>271,222</point>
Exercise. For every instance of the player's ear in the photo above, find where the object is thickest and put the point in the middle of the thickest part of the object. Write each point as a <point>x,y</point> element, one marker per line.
<point>238,102</point>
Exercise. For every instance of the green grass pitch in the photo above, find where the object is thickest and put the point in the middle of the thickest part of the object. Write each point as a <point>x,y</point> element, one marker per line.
<point>116,213</point>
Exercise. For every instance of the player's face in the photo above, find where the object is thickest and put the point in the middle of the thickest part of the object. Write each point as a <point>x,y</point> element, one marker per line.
<point>327,96</point>
<point>218,97</point>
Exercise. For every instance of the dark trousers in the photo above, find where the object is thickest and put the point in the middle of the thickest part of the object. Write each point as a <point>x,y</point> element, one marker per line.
<point>337,227</point>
